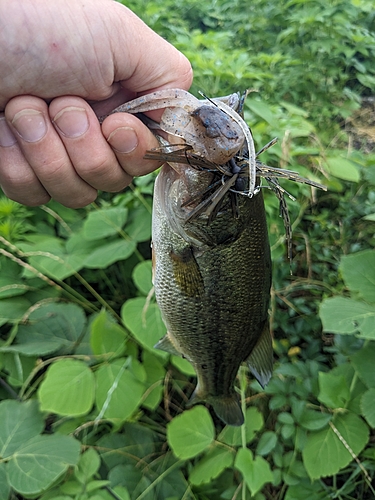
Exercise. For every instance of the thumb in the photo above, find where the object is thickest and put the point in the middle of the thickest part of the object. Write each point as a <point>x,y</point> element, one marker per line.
<point>143,60</point>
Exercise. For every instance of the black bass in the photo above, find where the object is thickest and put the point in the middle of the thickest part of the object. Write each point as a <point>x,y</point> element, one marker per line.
<point>212,284</point>
<point>211,255</point>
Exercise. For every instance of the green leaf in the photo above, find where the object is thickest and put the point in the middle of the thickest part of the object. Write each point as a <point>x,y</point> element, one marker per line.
<point>183,366</point>
<point>68,388</point>
<point>358,271</point>
<point>13,309</point>
<point>32,462</point>
<point>306,490</point>
<point>256,473</point>
<point>118,393</point>
<point>262,109</point>
<point>314,420</point>
<point>104,222</point>
<point>191,432</point>
<point>18,367</point>
<point>368,406</point>
<point>343,168</point>
<point>333,390</point>
<point>40,461</point>
<point>50,257</point>
<point>4,484</point>
<point>88,466</point>
<point>232,436</point>
<point>211,466</point>
<point>106,336</point>
<point>142,276</point>
<point>325,454</point>
<point>143,320</point>
<point>348,316</point>
<point>155,375</point>
<point>107,253</point>
<point>363,362</point>
<point>19,423</point>
<point>267,443</point>
<point>51,327</point>
<point>138,227</point>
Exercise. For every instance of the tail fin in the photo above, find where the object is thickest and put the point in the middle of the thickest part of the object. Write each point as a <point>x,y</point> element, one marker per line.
<point>228,409</point>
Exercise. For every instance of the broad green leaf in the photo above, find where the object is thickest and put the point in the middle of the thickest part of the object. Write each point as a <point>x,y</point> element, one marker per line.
<point>88,466</point>
<point>363,362</point>
<point>104,222</point>
<point>11,282</point>
<point>325,454</point>
<point>267,443</point>
<point>138,226</point>
<point>107,337</point>
<point>314,420</point>
<point>19,423</point>
<point>211,465</point>
<point>183,366</point>
<point>368,406</point>
<point>232,436</point>
<point>135,481</point>
<point>191,432</point>
<point>333,390</point>
<point>348,316</point>
<point>51,327</point>
<point>262,109</point>
<point>155,375</point>
<point>108,253</point>
<point>256,473</point>
<point>68,388</point>
<point>306,490</point>
<point>50,256</point>
<point>40,461</point>
<point>143,320</point>
<point>343,168</point>
<point>4,484</point>
<point>142,275</point>
<point>18,367</point>
<point>134,443</point>
<point>118,393</point>
<point>13,309</point>
<point>358,271</point>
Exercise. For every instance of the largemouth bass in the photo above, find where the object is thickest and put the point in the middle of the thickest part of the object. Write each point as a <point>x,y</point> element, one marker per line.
<point>212,284</point>
<point>211,255</point>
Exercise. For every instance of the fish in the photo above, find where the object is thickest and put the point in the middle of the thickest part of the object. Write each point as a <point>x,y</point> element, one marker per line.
<point>212,274</point>
<point>212,284</point>
<point>212,268</point>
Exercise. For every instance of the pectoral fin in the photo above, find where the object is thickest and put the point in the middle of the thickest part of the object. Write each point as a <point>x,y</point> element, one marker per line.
<point>186,272</point>
<point>260,361</point>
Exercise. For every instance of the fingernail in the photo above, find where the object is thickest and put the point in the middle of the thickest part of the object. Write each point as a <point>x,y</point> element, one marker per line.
<point>6,137</point>
<point>72,121</point>
<point>123,139</point>
<point>30,125</point>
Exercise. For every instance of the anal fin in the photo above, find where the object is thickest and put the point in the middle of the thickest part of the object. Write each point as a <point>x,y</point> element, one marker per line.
<point>260,361</point>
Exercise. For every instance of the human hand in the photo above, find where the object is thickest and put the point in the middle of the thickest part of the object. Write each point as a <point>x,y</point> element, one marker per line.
<point>62,65</point>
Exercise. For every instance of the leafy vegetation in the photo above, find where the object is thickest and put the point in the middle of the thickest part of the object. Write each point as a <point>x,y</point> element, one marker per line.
<point>89,410</point>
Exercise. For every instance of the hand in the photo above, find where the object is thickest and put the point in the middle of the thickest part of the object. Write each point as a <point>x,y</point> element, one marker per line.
<point>63,64</point>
